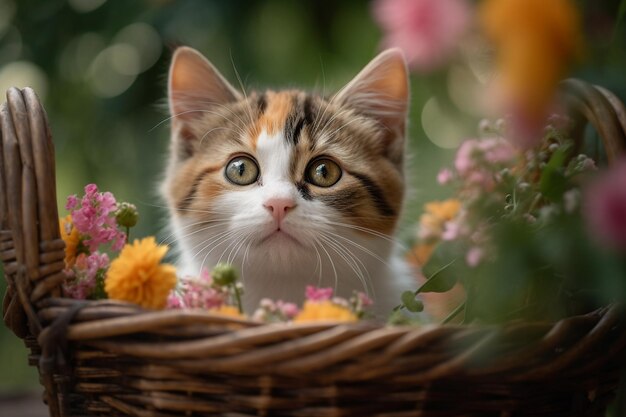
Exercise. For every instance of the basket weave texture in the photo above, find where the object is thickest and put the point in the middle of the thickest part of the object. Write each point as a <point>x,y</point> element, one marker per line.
<point>112,358</point>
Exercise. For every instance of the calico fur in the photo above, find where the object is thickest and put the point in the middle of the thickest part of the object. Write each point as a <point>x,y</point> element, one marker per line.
<point>338,236</point>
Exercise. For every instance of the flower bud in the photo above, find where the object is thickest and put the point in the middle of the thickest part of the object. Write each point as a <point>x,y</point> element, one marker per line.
<point>126,215</point>
<point>224,274</point>
<point>484,126</point>
<point>500,125</point>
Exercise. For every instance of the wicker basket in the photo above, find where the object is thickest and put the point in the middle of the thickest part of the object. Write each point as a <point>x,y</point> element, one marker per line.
<point>112,358</point>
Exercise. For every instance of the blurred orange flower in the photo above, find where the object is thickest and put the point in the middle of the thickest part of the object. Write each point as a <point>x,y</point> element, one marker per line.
<point>70,236</point>
<point>436,214</point>
<point>230,311</point>
<point>535,40</point>
<point>324,310</point>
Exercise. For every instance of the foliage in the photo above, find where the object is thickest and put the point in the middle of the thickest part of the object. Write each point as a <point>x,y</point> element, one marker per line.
<point>525,243</point>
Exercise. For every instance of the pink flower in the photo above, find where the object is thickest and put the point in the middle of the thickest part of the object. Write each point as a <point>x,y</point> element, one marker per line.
<point>498,151</point>
<point>96,262</point>
<point>318,294</point>
<point>478,160</point>
<point>605,206</point>
<point>289,310</point>
<point>451,230</point>
<point>95,219</point>
<point>364,300</point>
<point>77,291</point>
<point>91,189</point>
<point>428,31</point>
<point>445,176</point>
<point>474,256</point>
<point>199,292</point>
<point>464,160</point>
<point>271,312</point>
<point>71,203</point>
<point>174,301</point>
<point>473,152</point>
<point>82,277</point>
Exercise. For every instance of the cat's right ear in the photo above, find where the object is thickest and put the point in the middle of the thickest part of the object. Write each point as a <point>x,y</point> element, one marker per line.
<point>195,85</point>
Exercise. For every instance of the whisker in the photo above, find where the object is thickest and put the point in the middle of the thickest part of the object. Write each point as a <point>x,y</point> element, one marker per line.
<point>350,260</point>
<point>202,229</point>
<point>165,240</point>
<point>332,264</point>
<point>363,248</point>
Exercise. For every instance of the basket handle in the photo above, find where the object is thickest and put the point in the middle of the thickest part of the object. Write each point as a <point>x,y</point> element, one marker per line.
<point>30,243</point>
<point>587,103</point>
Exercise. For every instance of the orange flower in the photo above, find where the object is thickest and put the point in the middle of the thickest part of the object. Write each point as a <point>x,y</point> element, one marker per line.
<point>70,236</point>
<point>324,310</point>
<point>138,276</point>
<point>436,214</point>
<point>227,310</point>
<point>420,254</point>
<point>535,40</point>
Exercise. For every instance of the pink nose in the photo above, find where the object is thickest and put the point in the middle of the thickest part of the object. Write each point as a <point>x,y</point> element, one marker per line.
<point>278,208</point>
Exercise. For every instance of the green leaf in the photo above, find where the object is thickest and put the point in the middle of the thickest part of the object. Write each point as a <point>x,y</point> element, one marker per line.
<point>553,182</point>
<point>440,281</point>
<point>440,268</point>
<point>411,304</point>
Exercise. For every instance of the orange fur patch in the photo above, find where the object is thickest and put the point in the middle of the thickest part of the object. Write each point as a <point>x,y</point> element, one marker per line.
<point>273,119</point>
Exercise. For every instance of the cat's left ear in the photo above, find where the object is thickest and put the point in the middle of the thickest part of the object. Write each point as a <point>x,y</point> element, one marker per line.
<point>381,91</point>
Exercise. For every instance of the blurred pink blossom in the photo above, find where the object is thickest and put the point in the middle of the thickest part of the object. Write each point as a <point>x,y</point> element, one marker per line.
<point>474,154</point>
<point>275,311</point>
<point>474,256</point>
<point>445,176</point>
<point>174,301</point>
<point>201,293</point>
<point>289,310</point>
<point>428,31</point>
<point>72,201</point>
<point>364,299</point>
<point>605,206</point>
<point>83,275</point>
<point>318,294</point>
<point>450,231</point>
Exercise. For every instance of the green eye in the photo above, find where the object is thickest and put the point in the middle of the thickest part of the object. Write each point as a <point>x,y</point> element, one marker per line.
<point>242,170</point>
<point>323,173</point>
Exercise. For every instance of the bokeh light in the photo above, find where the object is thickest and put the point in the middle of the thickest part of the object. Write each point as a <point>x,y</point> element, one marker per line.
<point>24,74</point>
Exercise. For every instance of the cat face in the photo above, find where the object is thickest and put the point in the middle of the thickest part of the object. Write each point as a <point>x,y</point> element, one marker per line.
<point>282,177</point>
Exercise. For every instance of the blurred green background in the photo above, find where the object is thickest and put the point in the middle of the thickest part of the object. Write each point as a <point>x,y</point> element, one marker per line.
<point>100,68</point>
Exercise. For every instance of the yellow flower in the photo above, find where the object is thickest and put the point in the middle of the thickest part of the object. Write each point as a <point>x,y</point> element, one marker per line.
<point>227,310</point>
<point>436,214</point>
<point>535,40</point>
<point>138,276</point>
<point>324,310</point>
<point>70,236</point>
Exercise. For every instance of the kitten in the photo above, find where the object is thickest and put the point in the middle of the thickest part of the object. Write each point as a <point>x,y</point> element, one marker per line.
<point>291,187</point>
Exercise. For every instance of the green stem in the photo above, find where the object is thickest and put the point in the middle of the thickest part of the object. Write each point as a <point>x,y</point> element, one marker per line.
<point>238,298</point>
<point>454,313</point>
<point>127,234</point>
